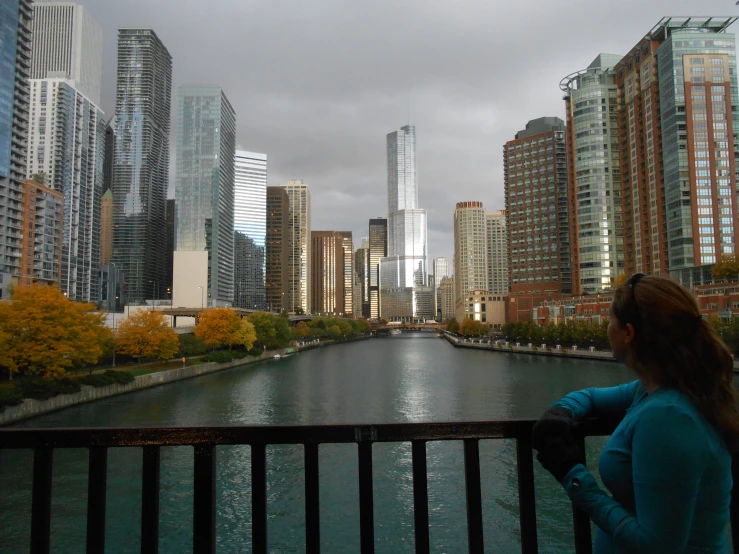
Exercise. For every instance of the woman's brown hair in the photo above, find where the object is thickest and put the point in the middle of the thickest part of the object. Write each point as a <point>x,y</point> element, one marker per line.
<point>676,348</point>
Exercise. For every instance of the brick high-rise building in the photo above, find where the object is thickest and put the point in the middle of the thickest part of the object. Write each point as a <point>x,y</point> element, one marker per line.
<point>333,273</point>
<point>276,248</point>
<point>43,225</point>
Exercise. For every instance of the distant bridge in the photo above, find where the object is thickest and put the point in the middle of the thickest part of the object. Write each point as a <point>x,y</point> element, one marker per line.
<point>434,327</point>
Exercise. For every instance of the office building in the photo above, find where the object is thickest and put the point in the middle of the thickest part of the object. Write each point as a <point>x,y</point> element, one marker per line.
<point>441,269</point>
<point>538,225</point>
<point>204,190</point>
<point>405,266</point>
<point>594,176</point>
<point>66,145</point>
<point>250,224</point>
<point>470,254</point>
<point>361,270</point>
<point>67,43</point>
<point>15,60</point>
<point>299,245</point>
<point>112,289</point>
<point>377,251</point>
<point>106,227</point>
<point>497,252</point>
<point>678,90</point>
<point>141,162</point>
<point>446,294</point>
<point>171,242</point>
<point>332,266</point>
<point>109,156</point>
<point>43,225</point>
<point>276,248</point>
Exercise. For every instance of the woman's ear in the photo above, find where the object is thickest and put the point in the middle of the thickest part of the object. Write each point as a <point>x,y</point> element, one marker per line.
<point>629,333</point>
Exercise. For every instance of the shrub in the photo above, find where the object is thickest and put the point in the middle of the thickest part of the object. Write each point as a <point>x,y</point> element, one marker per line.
<point>37,388</point>
<point>225,356</point>
<point>120,377</point>
<point>65,385</point>
<point>109,377</point>
<point>10,396</point>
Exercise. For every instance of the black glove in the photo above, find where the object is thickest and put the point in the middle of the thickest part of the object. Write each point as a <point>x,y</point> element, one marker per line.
<point>556,422</point>
<point>560,456</point>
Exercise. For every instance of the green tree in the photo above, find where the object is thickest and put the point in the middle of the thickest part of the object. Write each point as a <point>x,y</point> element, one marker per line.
<point>264,327</point>
<point>334,332</point>
<point>361,326</point>
<point>245,336</point>
<point>146,334</point>
<point>472,328</point>
<point>190,345</point>
<point>44,333</point>
<point>302,330</point>
<point>452,326</point>
<point>345,327</point>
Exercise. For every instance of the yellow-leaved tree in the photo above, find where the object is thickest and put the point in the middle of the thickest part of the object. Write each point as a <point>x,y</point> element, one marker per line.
<point>246,336</point>
<point>44,333</point>
<point>472,328</point>
<point>620,281</point>
<point>146,334</point>
<point>727,268</point>
<point>218,327</point>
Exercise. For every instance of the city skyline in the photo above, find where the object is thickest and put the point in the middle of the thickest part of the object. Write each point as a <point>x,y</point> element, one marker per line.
<point>450,103</point>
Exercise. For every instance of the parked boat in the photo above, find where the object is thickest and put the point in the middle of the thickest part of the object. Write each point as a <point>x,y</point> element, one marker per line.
<point>395,331</point>
<point>277,356</point>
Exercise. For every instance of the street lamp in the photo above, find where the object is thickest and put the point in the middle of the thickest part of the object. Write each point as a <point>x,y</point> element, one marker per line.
<point>202,297</point>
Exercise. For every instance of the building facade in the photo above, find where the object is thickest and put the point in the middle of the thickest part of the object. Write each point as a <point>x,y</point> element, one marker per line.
<point>41,246</point>
<point>406,264</point>
<point>332,266</point>
<point>538,225</point>
<point>276,248</point>
<point>361,271</point>
<point>68,43</point>
<point>15,65</point>
<point>112,291</point>
<point>250,224</point>
<point>594,179</point>
<point>470,253</point>
<point>141,161</point>
<point>204,186</point>
<point>497,252</point>
<point>171,242</point>
<point>377,251</point>
<point>446,295</point>
<point>441,270</point>
<point>106,227</point>
<point>299,245</point>
<point>67,145</point>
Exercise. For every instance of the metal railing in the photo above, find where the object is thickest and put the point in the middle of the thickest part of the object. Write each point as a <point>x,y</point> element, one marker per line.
<point>206,439</point>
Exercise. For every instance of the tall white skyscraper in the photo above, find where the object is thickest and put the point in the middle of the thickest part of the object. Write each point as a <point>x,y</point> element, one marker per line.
<point>497,252</point>
<point>67,144</point>
<point>441,270</point>
<point>299,248</point>
<point>250,226</point>
<point>67,43</point>
<point>470,254</point>
<point>405,267</point>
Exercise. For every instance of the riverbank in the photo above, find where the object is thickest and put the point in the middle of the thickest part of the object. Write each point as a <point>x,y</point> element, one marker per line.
<point>31,408</point>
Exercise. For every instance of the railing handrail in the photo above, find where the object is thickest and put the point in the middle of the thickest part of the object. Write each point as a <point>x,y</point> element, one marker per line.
<point>79,437</point>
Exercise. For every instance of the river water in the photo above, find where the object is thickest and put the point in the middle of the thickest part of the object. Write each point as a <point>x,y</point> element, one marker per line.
<point>408,378</point>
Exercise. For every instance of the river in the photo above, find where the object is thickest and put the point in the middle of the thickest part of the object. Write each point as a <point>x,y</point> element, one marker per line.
<point>413,377</point>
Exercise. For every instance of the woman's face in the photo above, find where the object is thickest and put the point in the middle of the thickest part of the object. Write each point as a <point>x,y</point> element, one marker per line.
<point>620,337</point>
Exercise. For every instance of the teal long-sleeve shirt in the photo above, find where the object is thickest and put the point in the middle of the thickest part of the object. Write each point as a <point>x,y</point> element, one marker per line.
<point>668,472</point>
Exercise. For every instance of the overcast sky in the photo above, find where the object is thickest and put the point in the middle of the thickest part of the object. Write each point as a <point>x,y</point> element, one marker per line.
<point>318,84</point>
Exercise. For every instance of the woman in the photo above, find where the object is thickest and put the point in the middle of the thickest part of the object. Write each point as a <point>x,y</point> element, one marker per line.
<point>668,464</point>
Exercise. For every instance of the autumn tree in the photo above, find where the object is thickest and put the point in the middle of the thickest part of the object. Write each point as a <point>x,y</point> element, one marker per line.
<point>472,328</point>
<point>146,334</point>
<point>271,331</point>
<point>44,333</point>
<point>246,336</point>
<point>302,330</point>
<point>334,331</point>
<point>218,327</point>
<point>452,326</point>
<point>727,268</point>
<point>620,281</point>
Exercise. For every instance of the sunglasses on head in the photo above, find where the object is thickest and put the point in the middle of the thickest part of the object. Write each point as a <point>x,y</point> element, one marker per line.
<point>631,284</point>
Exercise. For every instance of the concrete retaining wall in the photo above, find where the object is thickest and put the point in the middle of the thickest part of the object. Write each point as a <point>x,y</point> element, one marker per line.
<point>31,408</point>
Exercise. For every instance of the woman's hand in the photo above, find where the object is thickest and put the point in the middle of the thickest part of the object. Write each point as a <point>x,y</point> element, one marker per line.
<point>555,423</point>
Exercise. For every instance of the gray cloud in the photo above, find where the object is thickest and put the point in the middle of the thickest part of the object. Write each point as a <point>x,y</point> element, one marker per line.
<point>317,85</point>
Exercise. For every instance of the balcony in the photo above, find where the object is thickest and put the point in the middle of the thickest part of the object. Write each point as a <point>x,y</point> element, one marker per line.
<point>205,441</point>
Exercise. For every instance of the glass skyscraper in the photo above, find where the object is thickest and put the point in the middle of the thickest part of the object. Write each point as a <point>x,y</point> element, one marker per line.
<point>204,189</point>
<point>15,57</point>
<point>299,248</point>
<point>405,266</point>
<point>250,225</point>
<point>377,251</point>
<point>141,162</point>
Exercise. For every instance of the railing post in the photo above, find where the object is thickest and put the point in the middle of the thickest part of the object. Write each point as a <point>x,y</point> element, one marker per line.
<point>474,496</point>
<point>312,503</point>
<point>581,521</point>
<point>420,497</point>
<point>97,474</point>
<point>526,494</point>
<point>366,499</point>
<point>41,500</point>
<point>259,498</point>
<point>150,501</point>
<point>204,500</point>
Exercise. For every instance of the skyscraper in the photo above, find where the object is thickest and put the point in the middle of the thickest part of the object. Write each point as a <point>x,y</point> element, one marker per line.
<point>361,270</point>
<point>299,247</point>
<point>43,211</point>
<point>68,43</point>
<point>446,295</point>
<point>204,190</point>
<point>406,264</point>
<point>276,247</point>
<point>678,89</point>
<point>15,58</point>
<point>67,145</point>
<point>250,224</point>
<point>441,270</point>
<point>141,164</point>
<point>470,254</point>
<point>106,227</point>
<point>333,270</point>
<point>377,251</point>
<point>171,242</point>
<point>497,252</point>
<point>596,229</point>
<point>538,225</point>
<point>109,156</point>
